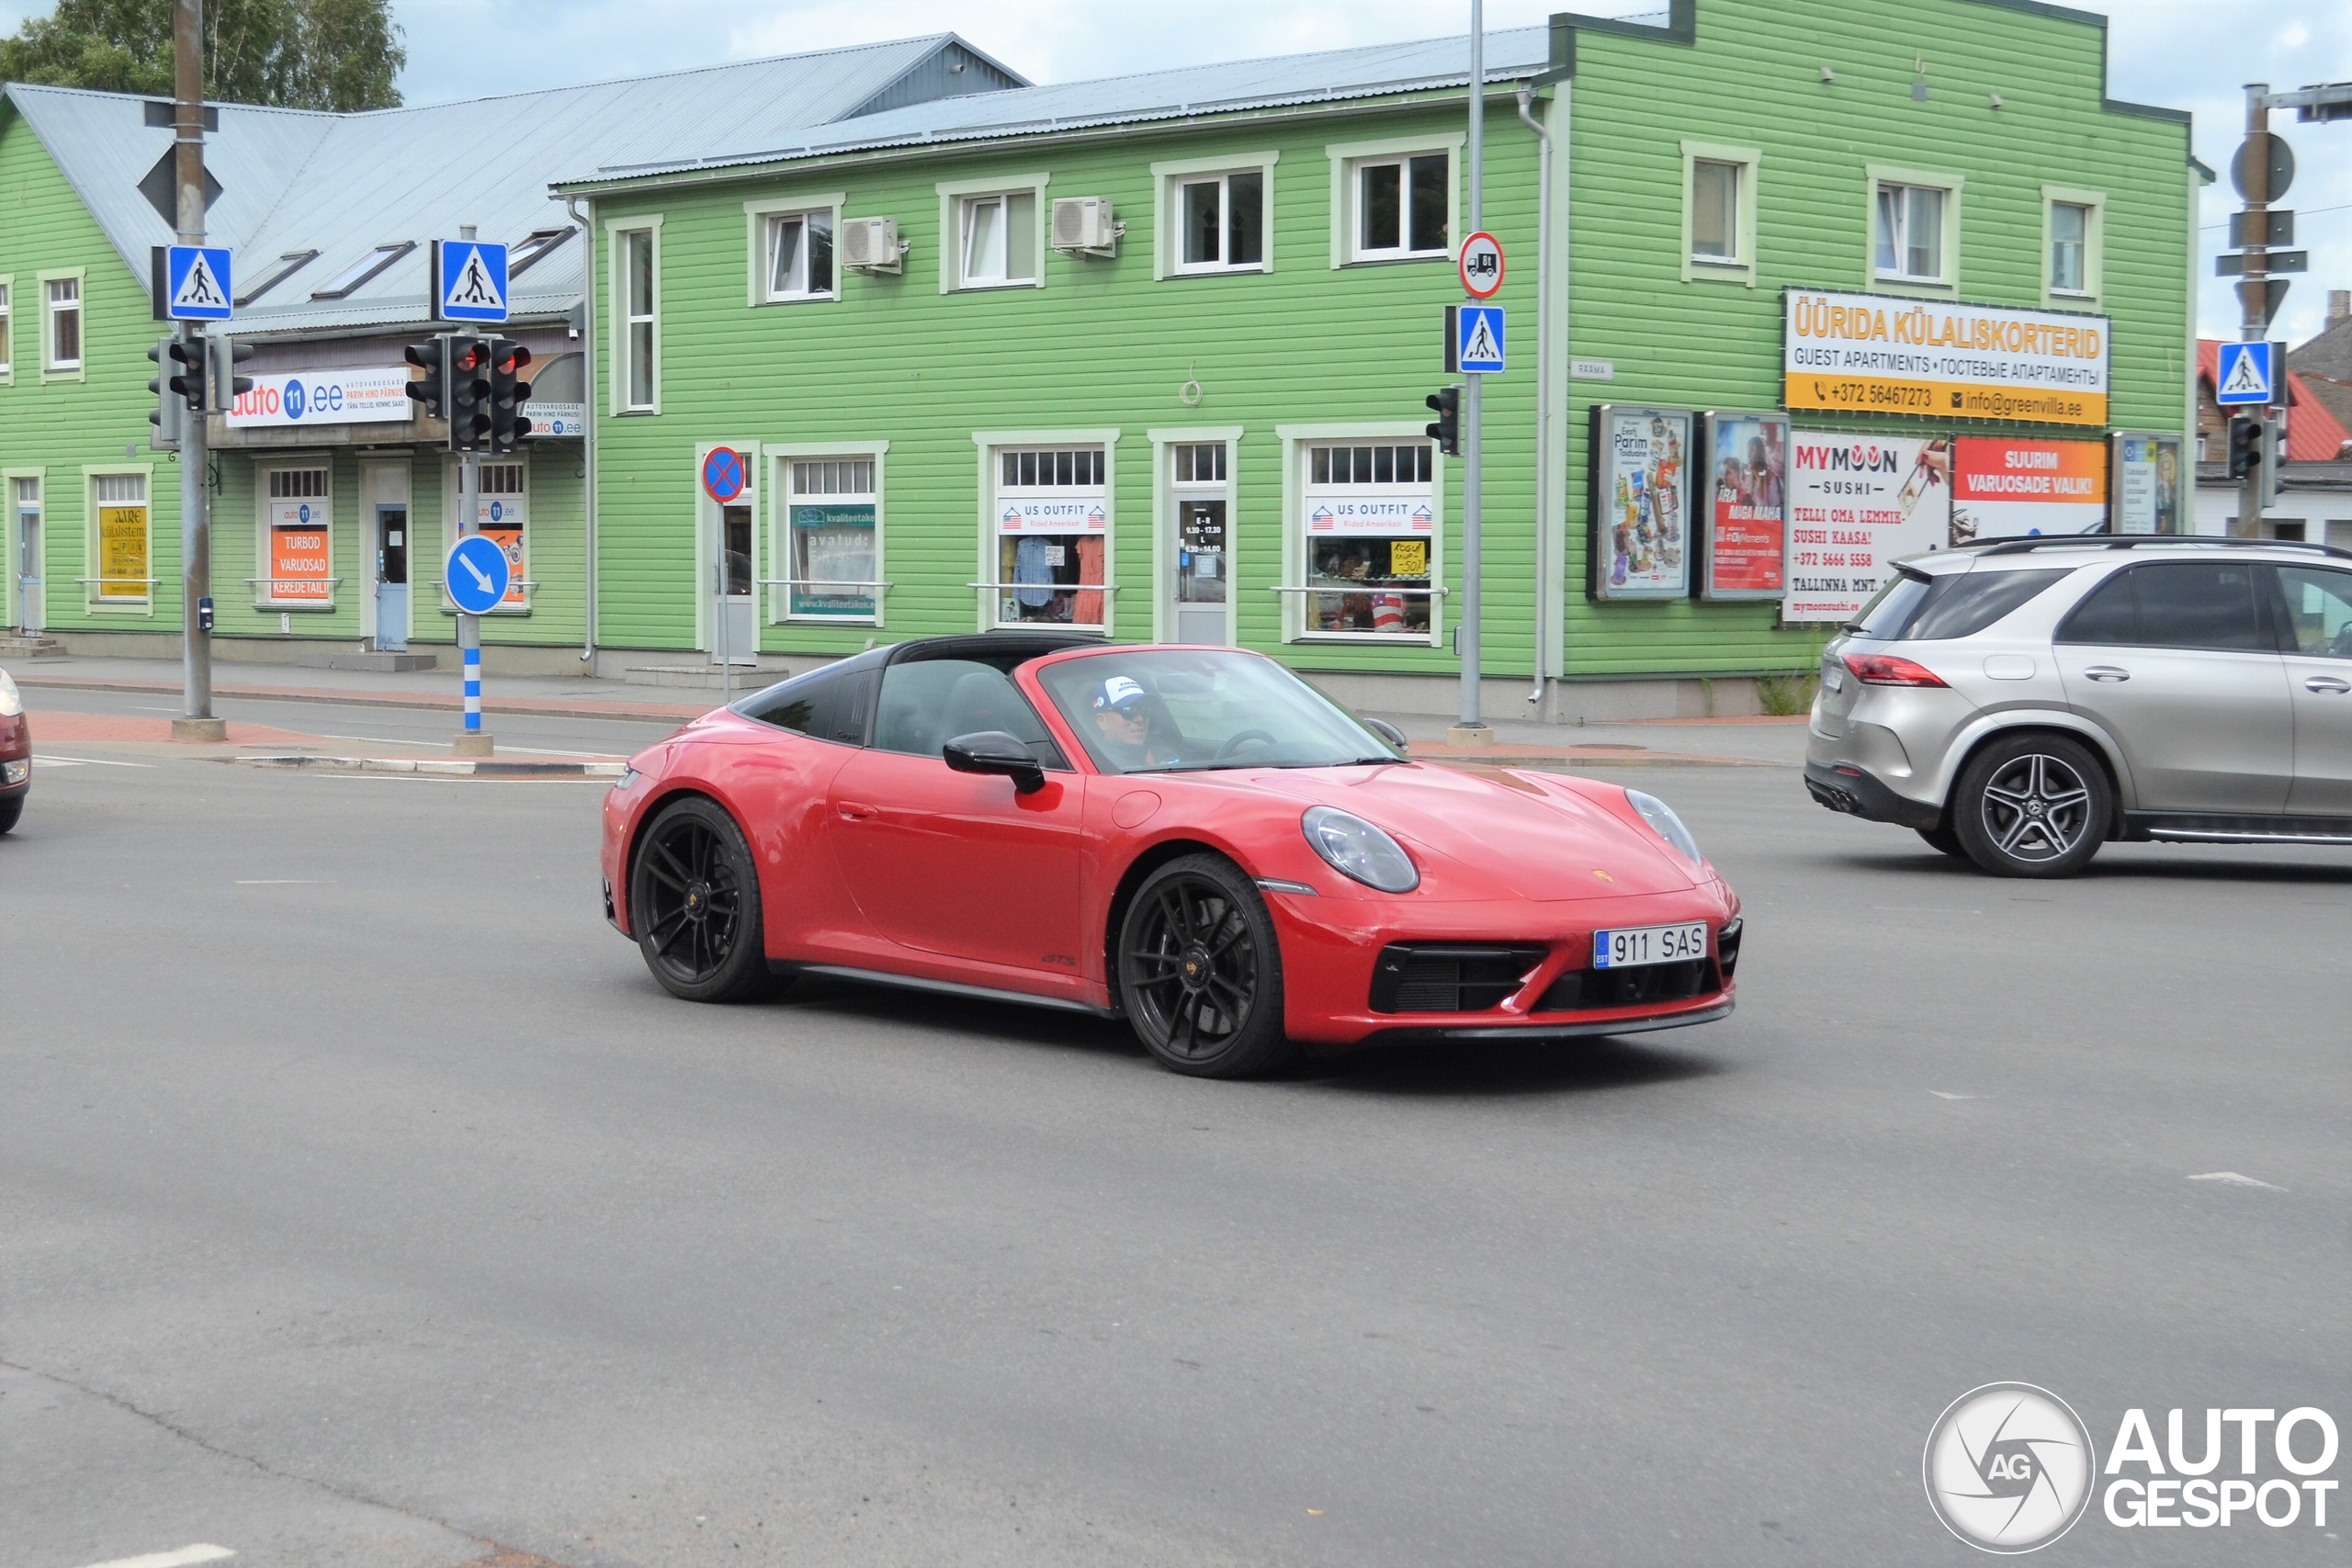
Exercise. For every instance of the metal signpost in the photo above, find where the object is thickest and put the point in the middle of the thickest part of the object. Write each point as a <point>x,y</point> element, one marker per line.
<point>469,285</point>
<point>197,721</point>
<point>1472,730</point>
<point>476,576</point>
<point>724,476</point>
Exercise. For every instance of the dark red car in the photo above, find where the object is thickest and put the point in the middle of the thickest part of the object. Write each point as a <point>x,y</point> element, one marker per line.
<point>16,753</point>
<point>1193,838</point>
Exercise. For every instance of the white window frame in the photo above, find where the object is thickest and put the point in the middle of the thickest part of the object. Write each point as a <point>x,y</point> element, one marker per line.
<point>1948,282</point>
<point>1171,175</point>
<point>2093,244</point>
<point>91,474</point>
<point>992,442</point>
<point>1740,267</point>
<point>759,228</point>
<point>7,328</point>
<point>1348,157</point>
<point>956,198</point>
<point>1165,493</point>
<point>780,455</point>
<point>52,367</point>
<point>1296,439</point>
<point>450,520</point>
<point>618,231</point>
<point>264,585</point>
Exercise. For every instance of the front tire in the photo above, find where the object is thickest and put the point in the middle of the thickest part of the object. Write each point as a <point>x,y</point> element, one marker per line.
<point>2035,805</point>
<point>1201,973</point>
<point>695,902</point>
<point>10,809</point>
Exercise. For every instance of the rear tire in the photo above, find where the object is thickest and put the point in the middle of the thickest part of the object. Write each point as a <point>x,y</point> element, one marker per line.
<point>2035,805</point>
<point>1200,971</point>
<point>1944,840</point>
<point>695,901</point>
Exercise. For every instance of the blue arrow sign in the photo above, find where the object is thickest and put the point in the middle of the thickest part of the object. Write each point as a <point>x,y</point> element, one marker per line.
<point>2245,375</point>
<point>1479,339</point>
<point>469,281</point>
<point>476,574</point>
<point>196,283</point>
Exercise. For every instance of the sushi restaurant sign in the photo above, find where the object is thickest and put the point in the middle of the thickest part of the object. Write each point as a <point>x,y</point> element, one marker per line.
<point>1878,354</point>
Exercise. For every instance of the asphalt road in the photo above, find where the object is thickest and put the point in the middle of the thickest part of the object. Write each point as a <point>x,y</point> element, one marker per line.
<point>363,1203</point>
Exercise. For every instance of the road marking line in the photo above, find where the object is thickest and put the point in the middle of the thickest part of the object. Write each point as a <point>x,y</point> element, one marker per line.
<point>284,881</point>
<point>87,762</point>
<point>2234,1179</point>
<point>183,1558</point>
<point>1941,1094</point>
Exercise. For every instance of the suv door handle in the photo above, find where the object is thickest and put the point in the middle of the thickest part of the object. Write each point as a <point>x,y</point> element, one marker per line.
<point>2328,684</point>
<point>2107,672</point>
<point>852,812</point>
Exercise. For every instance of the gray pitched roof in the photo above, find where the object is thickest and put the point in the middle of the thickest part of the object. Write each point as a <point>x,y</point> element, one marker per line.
<point>342,185</point>
<point>1367,71</point>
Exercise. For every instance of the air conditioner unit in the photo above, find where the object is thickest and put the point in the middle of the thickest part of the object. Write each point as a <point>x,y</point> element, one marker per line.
<point>871,244</point>
<point>1083,225</point>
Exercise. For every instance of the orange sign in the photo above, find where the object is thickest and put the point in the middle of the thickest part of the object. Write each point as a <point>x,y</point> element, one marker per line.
<point>299,565</point>
<point>2005,486</point>
<point>1877,353</point>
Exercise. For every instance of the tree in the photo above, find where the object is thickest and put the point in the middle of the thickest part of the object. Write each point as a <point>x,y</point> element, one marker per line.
<point>309,54</point>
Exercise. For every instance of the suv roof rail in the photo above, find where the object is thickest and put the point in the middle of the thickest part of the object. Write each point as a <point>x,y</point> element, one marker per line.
<point>2143,541</point>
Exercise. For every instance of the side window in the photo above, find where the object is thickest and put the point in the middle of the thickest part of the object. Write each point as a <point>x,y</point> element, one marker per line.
<point>824,705</point>
<point>2196,605</point>
<point>2319,610</point>
<point>1974,600</point>
<point>926,702</point>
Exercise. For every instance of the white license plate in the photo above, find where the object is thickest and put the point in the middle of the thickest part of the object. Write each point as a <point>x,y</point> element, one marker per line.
<point>1649,944</point>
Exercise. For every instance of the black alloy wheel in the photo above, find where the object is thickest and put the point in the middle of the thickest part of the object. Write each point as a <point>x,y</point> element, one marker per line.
<point>2032,805</point>
<point>695,905</point>
<point>1201,973</point>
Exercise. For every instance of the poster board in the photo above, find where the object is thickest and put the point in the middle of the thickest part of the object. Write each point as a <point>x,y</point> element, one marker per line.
<point>122,554</point>
<point>1743,506</point>
<point>1857,504</point>
<point>301,558</point>
<point>2010,487</point>
<point>1639,540</point>
<point>2146,480</point>
<point>1883,354</point>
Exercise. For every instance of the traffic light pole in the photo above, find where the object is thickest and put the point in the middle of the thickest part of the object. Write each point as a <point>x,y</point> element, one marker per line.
<point>473,740</point>
<point>197,721</point>
<point>1473,729</point>
<point>2254,294</point>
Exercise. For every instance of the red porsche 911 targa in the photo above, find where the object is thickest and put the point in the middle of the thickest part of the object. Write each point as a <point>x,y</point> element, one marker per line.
<point>1193,838</point>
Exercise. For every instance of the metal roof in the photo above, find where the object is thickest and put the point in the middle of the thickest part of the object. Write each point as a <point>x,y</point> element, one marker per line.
<point>1330,75</point>
<point>343,184</point>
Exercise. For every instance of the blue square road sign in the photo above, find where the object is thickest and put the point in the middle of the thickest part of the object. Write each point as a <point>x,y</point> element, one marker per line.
<point>2245,374</point>
<point>196,283</point>
<point>1479,339</point>
<point>469,281</point>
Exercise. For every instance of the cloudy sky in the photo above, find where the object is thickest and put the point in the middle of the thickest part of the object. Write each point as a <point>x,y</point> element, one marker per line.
<point>2193,55</point>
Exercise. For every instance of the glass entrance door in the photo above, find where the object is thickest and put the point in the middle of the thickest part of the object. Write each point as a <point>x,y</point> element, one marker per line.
<point>392,578</point>
<point>736,642</point>
<point>30,609</point>
<point>1201,581</point>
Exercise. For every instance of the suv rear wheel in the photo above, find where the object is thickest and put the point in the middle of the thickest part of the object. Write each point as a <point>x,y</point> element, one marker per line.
<point>2032,805</point>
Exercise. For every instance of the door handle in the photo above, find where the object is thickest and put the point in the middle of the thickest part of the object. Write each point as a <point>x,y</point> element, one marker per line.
<point>2328,684</point>
<point>852,812</point>
<point>2107,672</point>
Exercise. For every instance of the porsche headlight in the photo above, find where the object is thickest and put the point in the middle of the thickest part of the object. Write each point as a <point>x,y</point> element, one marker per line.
<point>1356,849</point>
<point>11,705</point>
<point>1660,816</point>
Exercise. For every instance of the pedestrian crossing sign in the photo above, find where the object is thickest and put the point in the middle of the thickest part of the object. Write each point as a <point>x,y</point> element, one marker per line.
<point>2246,374</point>
<point>195,284</point>
<point>1479,339</point>
<point>469,281</point>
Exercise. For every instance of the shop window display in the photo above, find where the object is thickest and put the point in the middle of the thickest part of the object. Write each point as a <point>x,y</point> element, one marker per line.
<point>1370,534</point>
<point>1052,522</point>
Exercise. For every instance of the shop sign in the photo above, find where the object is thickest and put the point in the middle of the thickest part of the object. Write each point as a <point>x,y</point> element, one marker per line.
<point>301,562</point>
<point>2147,483</point>
<point>833,544</point>
<point>1747,523</point>
<point>1384,516</point>
<point>326,397</point>
<point>2005,486</point>
<point>1855,506</point>
<point>1641,514</point>
<point>1878,354</point>
<point>501,519</point>
<point>562,421</point>
<point>1060,516</point>
<point>123,552</point>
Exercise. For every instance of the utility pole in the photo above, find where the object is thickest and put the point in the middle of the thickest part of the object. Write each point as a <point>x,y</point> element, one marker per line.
<point>2254,294</point>
<point>473,740</point>
<point>197,722</point>
<point>1473,729</point>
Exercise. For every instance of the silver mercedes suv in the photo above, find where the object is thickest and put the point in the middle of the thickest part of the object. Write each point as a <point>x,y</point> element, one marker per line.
<point>2022,703</point>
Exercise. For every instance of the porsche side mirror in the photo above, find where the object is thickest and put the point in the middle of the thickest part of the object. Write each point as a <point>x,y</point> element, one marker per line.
<point>1385,730</point>
<point>994,751</point>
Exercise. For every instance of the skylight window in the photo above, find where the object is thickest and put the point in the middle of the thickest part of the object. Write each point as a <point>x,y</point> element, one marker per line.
<point>533,247</point>
<point>283,268</point>
<point>365,269</point>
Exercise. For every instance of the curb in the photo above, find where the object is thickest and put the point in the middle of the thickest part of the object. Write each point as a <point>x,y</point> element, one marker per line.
<point>1499,758</point>
<point>544,708</point>
<point>474,769</point>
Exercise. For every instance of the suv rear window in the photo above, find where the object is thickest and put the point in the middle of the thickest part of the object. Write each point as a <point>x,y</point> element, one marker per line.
<point>1957,604</point>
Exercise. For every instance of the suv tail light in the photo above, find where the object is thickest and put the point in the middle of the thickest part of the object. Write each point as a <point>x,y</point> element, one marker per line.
<point>1885,670</point>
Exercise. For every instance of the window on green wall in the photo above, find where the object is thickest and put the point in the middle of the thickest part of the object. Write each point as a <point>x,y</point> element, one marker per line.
<point>7,364</point>
<point>640,320</point>
<point>999,239</point>
<point>2070,233</point>
<point>800,255</point>
<point>1402,206</point>
<point>1222,221</point>
<point>1911,232</point>
<point>1714,212</point>
<point>65,328</point>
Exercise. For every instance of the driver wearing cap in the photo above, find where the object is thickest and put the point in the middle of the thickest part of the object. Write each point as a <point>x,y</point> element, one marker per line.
<point>1124,720</point>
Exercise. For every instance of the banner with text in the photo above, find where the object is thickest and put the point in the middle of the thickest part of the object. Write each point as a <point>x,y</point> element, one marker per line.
<point>301,561</point>
<point>326,397</point>
<point>2007,487</point>
<point>1856,505</point>
<point>1877,353</point>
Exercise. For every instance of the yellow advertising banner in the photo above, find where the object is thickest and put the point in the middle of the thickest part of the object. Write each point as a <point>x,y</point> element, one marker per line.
<point>1877,353</point>
<point>123,552</point>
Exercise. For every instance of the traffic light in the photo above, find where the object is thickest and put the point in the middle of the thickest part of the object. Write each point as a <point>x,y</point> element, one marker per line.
<point>1447,430</point>
<point>187,380</point>
<point>469,394</point>
<point>2245,446</point>
<point>227,384</point>
<point>508,394</point>
<point>430,389</point>
<point>169,413</point>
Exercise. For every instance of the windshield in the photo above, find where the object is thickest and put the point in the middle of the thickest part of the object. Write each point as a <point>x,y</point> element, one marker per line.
<point>1170,710</point>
